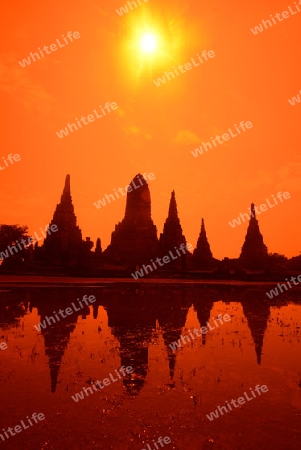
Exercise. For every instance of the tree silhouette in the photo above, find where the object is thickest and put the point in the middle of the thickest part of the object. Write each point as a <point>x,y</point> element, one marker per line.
<point>9,234</point>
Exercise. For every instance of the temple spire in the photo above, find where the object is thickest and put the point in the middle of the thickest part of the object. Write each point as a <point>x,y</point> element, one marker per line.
<point>203,231</point>
<point>66,198</point>
<point>254,252</point>
<point>173,211</point>
<point>134,241</point>
<point>65,245</point>
<point>203,244</point>
<point>98,249</point>
<point>202,255</point>
<point>67,190</point>
<point>172,235</point>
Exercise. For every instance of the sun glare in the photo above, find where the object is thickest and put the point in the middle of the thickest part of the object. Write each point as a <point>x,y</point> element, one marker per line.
<point>148,43</point>
<point>151,44</point>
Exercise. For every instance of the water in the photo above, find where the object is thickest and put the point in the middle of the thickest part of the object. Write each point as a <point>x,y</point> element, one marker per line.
<point>170,393</point>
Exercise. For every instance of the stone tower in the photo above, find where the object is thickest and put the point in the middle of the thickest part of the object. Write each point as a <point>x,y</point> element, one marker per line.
<point>98,249</point>
<point>64,247</point>
<point>134,241</point>
<point>172,235</point>
<point>202,256</point>
<point>254,252</point>
<point>98,253</point>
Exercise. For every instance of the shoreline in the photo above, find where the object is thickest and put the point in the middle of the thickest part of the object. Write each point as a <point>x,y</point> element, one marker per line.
<point>10,281</point>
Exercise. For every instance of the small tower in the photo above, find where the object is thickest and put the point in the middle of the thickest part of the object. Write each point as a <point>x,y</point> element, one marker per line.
<point>134,241</point>
<point>64,246</point>
<point>254,252</point>
<point>172,235</point>
<point>98,255</point>
<point>202,256</point>
<point>98,249</point>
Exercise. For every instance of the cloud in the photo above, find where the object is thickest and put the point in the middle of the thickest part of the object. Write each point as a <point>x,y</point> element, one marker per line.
<point>16,82</point>
<point>120,112</point>
<point>186,137</point>
<point>136,131</point>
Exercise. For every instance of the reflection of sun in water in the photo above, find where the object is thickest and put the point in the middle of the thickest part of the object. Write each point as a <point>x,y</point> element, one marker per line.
<point>148,43</point>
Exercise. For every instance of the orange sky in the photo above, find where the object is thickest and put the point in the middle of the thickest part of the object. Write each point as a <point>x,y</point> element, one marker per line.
<point>154,128</point>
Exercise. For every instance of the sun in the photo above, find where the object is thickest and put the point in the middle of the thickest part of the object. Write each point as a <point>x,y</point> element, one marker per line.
<point>148,43</point>
<point>152,42</point>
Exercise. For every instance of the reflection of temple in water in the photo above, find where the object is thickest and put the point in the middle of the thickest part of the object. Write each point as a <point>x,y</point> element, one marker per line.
<point>255,307</point>
<point>57,336</point>
<point>203,303</point>
<point>132,322</point>
<point>172,314</point>
<point>133,316</point>
<point>257,312</point>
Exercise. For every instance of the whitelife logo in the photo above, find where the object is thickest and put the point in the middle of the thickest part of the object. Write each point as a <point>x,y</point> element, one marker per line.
<point>223,138</point>
<point>68,311</point>
<point>90,119</point>
<point>124,9</point>
<point>128,188</point>
<point>3,346</point>
<point>295,100</point>
<point>16,157</point>
<point>166,440</point>
<point>274,292</point>
<point>240,401</point>
<point>166,260</point>
<point>106,382</point>
<point>203,330</point>
<point>53,228</point>
<point>263,207</point>
<point>284,14</point>
<point>17,429</point>
<point>188,66</point>
<point>53,48</point>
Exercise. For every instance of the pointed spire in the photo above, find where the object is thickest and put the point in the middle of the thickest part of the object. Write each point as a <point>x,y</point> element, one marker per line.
<point>203,231</point>
<point>172,235</point>
<point>203,240</point>
<point>254,252</point>
<point>65,246</point>
<point>98,249</point>
<point>67,185</point>
<point>173,211</point>
<point>66,195</point>
<point>202,255</point>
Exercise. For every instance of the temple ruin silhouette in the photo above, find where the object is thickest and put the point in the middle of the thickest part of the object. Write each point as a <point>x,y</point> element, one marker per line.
<point>254,252</point>
<point>172,235</point>
<point>64,247</point>
<point>134,241</point>
<point>202,256</point>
